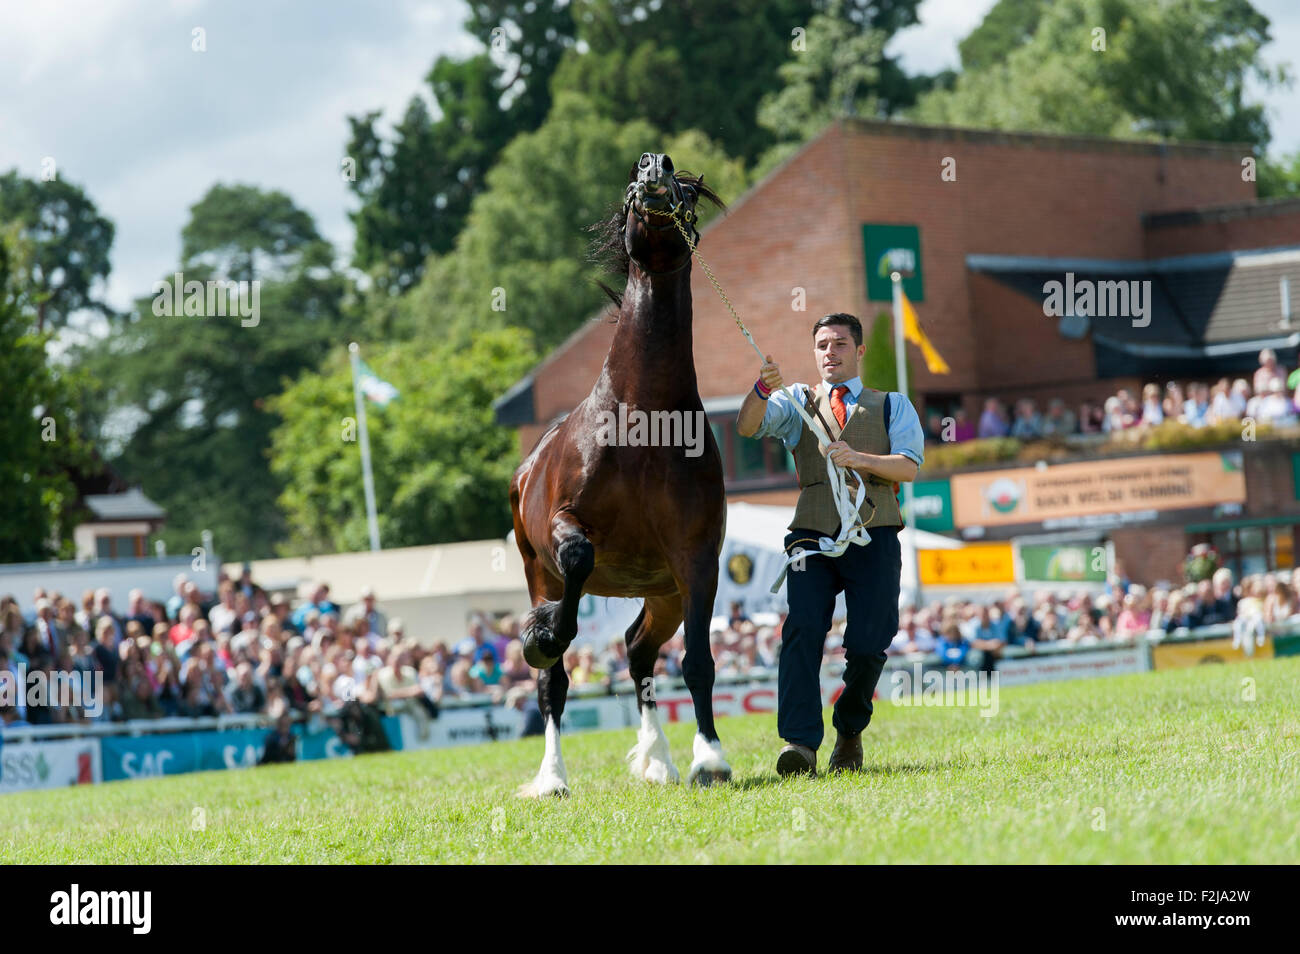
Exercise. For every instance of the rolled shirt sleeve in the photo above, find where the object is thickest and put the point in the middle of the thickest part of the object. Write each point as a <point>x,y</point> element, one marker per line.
<point>780,418</point>
<point>905,434</point>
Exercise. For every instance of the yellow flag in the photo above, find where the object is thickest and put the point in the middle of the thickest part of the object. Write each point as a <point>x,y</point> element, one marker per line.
<point>913,333</point>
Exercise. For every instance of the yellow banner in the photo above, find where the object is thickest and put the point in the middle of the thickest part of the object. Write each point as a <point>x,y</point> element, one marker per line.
<point>913,333</point>
<point>1151,482</point>
<point>978,563</point>
<point>1186,655</point>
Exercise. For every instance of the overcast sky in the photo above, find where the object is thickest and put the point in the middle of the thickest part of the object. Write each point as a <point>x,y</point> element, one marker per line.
<point>113,91</point>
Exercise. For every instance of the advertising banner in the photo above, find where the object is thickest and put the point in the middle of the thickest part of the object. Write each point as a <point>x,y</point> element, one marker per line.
<point>890,248</point>
<point>1063,563</point>
<point>1113,662</point>
<point>931,506</point>
<point>30,765</point>
<point>1184,655</point>
<point>1093,488</point>
<point>149,756</point>
<point>975,563</point>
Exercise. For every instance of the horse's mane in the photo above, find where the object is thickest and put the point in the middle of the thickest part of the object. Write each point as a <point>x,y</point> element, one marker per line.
<point>607,248</point>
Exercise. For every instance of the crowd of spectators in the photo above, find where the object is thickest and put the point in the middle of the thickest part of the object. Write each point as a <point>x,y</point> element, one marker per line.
<point>965,634</point>
<point>245,652</point>
<point>1267,398</point>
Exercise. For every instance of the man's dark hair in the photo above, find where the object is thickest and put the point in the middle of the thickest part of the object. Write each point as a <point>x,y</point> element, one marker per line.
<point>840,318</point>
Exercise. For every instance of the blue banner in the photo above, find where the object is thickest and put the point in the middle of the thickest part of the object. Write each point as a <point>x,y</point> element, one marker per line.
<point>180,752</point>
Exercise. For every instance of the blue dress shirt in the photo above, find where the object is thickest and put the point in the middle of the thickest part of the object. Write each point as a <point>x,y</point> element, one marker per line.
<point>781,420</point>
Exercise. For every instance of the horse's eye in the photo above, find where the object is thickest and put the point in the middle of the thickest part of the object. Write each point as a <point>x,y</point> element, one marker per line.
<point>645,161</point>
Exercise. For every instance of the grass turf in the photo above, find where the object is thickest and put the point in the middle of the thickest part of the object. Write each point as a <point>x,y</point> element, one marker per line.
<point>1163,767</point>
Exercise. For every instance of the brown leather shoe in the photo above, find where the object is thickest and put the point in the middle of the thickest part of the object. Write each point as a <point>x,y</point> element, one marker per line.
<point>796,760</point>
<point>847,754</point>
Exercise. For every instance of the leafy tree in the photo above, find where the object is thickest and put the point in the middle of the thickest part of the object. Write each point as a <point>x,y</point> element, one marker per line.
<point>69,245</point>
<point>879,365</point>
<point>40,442</point>
<point>703,65</point>
<point>1279,178</point>
<point>193,391</point>
<point>241,231</point>
<point>1177,69</point>
<point>838,75</point>
<point>441,465</point>
<point>416,187</point>
<point>522,258</point>
<point>1009,25</point>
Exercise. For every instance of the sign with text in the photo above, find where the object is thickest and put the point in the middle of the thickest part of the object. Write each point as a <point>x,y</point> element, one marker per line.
<point>974,563</point>
<point>1150,483</point>
<point>931,506</point>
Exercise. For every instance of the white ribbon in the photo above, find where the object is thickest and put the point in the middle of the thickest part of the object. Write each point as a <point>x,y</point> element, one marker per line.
<point>847,508</point>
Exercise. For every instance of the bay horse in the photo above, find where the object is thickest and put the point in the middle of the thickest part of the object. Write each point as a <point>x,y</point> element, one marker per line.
<point>633,521</point>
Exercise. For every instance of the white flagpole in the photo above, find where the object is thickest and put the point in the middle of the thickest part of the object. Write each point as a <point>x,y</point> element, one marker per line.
<point>900,359</point>
<point>368,478</point>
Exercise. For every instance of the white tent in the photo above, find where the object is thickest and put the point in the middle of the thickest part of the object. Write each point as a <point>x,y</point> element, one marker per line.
<point>764,527</point>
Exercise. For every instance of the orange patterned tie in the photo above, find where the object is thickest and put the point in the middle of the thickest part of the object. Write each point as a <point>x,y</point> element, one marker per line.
<point>837,403</point>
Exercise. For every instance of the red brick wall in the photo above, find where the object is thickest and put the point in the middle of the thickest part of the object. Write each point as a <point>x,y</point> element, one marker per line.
<point>1014,195</point>
<point>1256,231</point>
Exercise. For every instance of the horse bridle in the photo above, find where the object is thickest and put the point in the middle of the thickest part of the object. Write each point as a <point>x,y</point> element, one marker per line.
<point>678,209</point>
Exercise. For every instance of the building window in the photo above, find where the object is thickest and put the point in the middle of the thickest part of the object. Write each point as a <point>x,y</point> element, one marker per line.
<point>749,464</point>
<point>116,548</point>
<point>1248,550</point>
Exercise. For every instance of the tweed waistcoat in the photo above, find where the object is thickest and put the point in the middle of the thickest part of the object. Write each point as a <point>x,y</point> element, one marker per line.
<point>864,430</point>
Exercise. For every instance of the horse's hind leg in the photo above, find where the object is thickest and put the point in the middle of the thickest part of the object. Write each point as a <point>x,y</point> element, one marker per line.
<point>551,626</point>
<point>650,758</point>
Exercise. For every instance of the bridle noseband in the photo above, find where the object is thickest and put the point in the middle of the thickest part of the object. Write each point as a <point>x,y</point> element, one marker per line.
<point>678,209</point>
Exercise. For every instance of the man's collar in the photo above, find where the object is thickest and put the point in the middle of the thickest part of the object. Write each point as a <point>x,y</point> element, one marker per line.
<point>854,385</point>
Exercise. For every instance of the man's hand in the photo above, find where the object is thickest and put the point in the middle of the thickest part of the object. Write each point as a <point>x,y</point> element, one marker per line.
<point>842,455</point>
<point>770,374</point>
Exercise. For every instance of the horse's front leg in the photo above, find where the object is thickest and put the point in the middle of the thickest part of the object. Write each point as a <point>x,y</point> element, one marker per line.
<point>708,765</point>
<point>551,626</point>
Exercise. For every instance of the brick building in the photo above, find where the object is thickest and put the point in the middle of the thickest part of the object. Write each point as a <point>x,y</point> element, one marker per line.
<point>983,220</point>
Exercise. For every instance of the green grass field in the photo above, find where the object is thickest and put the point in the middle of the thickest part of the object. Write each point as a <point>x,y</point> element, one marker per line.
<point>1162,767</point>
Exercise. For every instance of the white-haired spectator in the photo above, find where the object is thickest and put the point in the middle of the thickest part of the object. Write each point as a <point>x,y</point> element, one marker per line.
<point>1268,370</point>
<point>1196,408</point>
<point>1174,401</point>
<point>1275,405</point>
<point>1239,397</point>
<point>1153,412</point>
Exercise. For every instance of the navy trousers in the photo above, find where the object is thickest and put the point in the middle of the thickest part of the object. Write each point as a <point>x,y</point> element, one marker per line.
<point>869,577</point>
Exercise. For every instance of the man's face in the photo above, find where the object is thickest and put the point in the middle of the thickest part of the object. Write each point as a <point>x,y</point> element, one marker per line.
<point>837,357</point>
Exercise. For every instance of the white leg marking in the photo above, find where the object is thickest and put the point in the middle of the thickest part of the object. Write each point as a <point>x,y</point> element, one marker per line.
<point>551,779</point>
<point>650,758</point>
<point>707,756</point>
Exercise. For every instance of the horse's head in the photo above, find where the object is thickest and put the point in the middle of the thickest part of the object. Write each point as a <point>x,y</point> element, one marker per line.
<point>644,230</point>
<point>657,199</point>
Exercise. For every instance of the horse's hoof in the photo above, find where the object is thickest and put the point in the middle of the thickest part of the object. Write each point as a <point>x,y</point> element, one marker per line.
<point>534,656</point>
<point>706,777</point>
<point>540,788</point>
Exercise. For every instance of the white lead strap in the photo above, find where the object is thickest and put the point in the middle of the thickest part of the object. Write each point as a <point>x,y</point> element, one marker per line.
<point>847,508</point>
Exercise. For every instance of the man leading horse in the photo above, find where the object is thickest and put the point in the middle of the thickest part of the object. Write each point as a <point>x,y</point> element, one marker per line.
<point>877,436</point>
